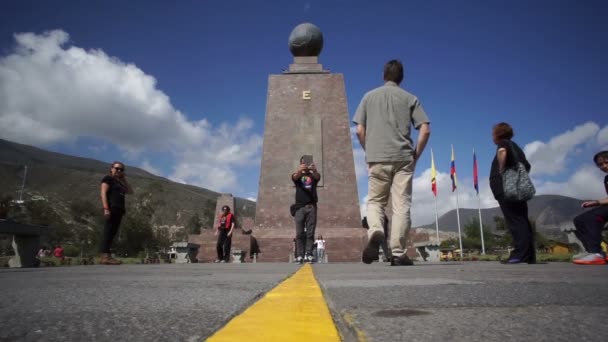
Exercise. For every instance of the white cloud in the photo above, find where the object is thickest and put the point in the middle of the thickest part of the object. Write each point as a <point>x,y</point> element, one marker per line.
<point>360,165</point>
<point>54,93</point>
<point>148,167</point>
<point>50,93</point>
<point>423,201</point>
<point>585,183</point>
<point>602,138</point>
<point>363,206</point>
<point>205,175</point>
<point>550,158</point>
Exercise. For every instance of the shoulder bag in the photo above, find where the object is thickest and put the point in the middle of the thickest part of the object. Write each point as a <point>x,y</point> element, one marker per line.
<point>516,182</point>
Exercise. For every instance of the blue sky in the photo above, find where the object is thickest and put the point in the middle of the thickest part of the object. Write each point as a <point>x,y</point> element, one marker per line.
<point>179,88</point>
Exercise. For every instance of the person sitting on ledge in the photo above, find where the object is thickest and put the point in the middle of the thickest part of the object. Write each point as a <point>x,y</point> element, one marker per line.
<point>589,224</point>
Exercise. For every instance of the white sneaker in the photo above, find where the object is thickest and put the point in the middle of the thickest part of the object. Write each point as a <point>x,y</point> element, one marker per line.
<point>580,255</point>
<point>591,259</point>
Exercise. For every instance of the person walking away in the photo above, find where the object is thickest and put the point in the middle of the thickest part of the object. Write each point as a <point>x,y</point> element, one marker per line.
<point>305,180</point>
<point>384,119</point>
<point>589,225</point>
<point>224,235</point>
<point>114,187</point>
<point>515,212</point>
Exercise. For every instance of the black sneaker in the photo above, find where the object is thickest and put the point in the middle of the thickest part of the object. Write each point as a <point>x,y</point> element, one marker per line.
<point>370,253</point>
<point>402,260</point>
<point>299,260</point>
<point>309,259</point>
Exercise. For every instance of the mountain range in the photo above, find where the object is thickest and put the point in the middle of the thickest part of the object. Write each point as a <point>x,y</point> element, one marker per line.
<point>62,180</point>
<point>550,213</point>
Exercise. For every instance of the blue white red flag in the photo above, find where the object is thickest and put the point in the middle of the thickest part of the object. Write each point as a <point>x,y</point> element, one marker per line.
<point>453,172</point>
<point>475,174</point>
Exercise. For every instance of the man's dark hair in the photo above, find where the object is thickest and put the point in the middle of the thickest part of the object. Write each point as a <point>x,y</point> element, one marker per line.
<point>597,156</point>
<point>393,71</point>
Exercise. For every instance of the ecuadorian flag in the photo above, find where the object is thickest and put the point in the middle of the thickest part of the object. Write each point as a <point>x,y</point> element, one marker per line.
<point>453,172</point>
<point>433,175</point>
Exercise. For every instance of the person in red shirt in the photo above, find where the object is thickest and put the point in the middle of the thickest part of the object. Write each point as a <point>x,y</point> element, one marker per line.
<point>58,252</point>
<point>224,235</point>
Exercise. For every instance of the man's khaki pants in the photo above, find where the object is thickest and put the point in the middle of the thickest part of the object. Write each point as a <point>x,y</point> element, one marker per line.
<point>394,180</point>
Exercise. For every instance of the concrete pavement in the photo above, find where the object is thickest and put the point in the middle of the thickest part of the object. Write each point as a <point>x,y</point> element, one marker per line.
<point>427,302</point>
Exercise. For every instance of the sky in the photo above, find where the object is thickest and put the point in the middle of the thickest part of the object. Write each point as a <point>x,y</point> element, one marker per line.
<point>179,87</point>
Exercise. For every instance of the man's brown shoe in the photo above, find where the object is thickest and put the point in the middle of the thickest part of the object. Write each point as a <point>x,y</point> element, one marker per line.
<point>370,253</point>
<point>402,260</point>
<point>109,261</point>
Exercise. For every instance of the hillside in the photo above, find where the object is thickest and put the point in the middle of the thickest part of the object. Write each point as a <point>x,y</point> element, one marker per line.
<point>64,180</point>
<point>549,212</point>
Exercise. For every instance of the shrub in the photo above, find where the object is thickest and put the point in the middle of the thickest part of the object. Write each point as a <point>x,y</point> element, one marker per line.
<point>71,251</point>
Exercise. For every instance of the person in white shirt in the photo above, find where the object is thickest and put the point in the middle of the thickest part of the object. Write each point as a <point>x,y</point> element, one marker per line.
<point>320,249</point>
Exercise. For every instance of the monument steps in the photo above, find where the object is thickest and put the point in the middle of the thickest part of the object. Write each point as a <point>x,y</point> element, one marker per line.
<point>276,244</point>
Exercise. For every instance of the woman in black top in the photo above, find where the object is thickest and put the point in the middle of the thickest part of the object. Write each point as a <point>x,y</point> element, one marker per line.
<point>515,213</point>
<point>114,187</point>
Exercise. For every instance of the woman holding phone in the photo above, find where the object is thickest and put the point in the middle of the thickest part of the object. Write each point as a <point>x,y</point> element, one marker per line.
<point>114,187</point>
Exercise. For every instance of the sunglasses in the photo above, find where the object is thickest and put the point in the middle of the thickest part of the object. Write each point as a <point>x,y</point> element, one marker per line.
<point>121,169</point>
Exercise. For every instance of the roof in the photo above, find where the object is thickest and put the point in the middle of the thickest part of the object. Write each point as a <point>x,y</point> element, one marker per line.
<point>184,245</point>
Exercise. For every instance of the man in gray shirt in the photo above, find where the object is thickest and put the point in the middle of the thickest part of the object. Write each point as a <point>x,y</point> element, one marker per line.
<point>384,120</point>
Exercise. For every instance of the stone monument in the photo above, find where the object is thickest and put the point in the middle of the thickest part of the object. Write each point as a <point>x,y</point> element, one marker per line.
<point>307,113</point>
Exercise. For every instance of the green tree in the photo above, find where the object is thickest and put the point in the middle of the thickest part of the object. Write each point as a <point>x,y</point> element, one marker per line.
<point>472,234</point>
<point>540,241</point>
<point>135,234</point>
<point>500,223</point>
<point>180,235</point>
<point>208,215</point>
<point>5,203</point>
<point>504,240</point>
<point>194,225</point>
<point>162,239</point>
<point>449,243</point>
<point>41,213</point>
<point>89,223</point>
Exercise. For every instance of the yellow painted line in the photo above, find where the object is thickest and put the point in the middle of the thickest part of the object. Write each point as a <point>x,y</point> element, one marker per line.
<point>295,310</point>
<point>350,322</point>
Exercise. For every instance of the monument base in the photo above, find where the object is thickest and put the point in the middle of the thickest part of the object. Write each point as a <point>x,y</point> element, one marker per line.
<point>277,245</point>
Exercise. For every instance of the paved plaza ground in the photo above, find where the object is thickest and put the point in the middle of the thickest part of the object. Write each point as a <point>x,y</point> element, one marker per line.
<point>471,301</point>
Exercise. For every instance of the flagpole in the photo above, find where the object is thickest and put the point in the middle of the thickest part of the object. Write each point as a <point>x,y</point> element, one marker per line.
<point>436,221</point>
<point>458,219</point>
<point>483,247</point>
<point>476,186</point>
<point>455,188</point>
<point>434,189</point>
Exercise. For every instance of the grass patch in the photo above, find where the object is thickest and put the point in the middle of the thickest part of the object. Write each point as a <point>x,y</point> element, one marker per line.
<point>540,257</point>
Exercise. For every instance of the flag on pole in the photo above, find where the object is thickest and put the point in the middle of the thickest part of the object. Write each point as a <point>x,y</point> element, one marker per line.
<point>475,174</point>
<point>433,175</point>
<point>453,172</point>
